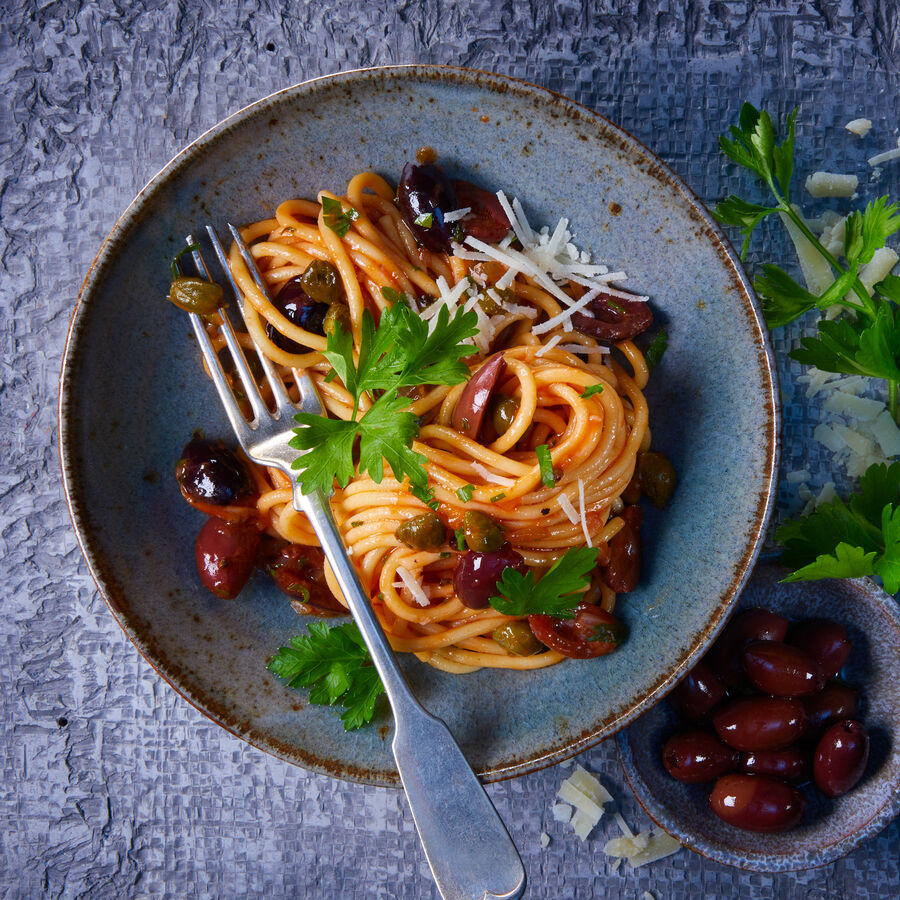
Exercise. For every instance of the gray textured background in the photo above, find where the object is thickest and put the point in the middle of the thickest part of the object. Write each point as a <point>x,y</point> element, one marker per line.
<point>111,784</point>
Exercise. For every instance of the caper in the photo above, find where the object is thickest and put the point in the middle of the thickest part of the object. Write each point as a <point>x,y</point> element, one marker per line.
<point>517,638</point>
<point>658,477</point>
<point>322,282</point>
<point>503,411</point>
<point>483,534</point>
<point>425,532</point>
<point>338,314</point>
<point>195,295</point>
<point>493,305</point>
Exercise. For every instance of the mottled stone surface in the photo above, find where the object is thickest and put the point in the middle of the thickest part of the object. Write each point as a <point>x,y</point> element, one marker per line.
<point>112,785</point>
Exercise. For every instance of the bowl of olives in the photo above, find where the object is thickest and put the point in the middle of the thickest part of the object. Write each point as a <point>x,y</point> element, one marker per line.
<point>778,750</point>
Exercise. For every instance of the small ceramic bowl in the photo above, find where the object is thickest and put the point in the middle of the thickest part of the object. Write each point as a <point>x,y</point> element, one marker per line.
<point>829,828</point>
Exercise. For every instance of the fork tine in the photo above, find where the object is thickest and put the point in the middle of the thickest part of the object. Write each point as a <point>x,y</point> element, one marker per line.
<point>282,401</point>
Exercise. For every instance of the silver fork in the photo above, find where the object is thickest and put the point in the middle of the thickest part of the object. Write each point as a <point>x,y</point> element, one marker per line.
<point>471,854</point>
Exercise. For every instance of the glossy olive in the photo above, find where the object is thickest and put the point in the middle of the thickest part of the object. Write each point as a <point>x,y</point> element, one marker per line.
<point>322,281</point>
<point>658,478</point>
<point>425,194</point>
<point>225,553</point>
<point>503,411</point>
<point>472,405</point>
<point>210,473</point>
<point>485,219</point>
<point>757,802</point>
<point>695,756</point>
<point>299,308</point>
<point>517,638</point>
<point>789,763</point>
<point>300,573</point>
<point>424,532</point>
<point>781,669</point>
<point>593,632</point>
<point>825,640</point>
<point>840,758</point>
<point>623,571</point>
<point>753,624</point>
<point>835,701</point>
<point>760,723</point>
<point>195,295</point>
<point>483,533</point>
<point>698,693</point>
<point>338,315</point>
<point>476,575</point>
<point>614,318</point>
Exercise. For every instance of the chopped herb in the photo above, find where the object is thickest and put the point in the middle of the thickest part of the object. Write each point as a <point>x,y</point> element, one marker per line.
<point>425,220</point>
<point>498,497</point>
<point>355,524</point>
<point>458,235</point>
<point>335,217</point>
<point>545,511</point>
<point>613,305</point>
<point>465,492</point>
<point>175,259</point>
<point>592,389</point>
<point>460,535</point>
<point>546,464</point>
<point>656,349</point>
<point>445,554</point>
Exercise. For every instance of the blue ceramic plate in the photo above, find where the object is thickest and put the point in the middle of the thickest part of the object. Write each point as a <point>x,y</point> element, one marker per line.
<point>830,828</point>
<point>133,392</point>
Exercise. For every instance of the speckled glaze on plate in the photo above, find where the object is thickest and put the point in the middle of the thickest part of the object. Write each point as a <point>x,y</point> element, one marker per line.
<point>133,392</point>
<point>830,828</point>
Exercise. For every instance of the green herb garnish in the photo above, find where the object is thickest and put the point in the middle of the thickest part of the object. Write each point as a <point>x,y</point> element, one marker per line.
<point>335,217</point>
<point>592,389</point>
<point>657,348</point>
<point>548,479</point>
<point>465,492</point>
<point>425,220</point>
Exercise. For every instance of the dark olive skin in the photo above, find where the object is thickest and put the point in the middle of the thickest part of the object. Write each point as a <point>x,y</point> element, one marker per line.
<point>760,723</point>
<point>485,220</point>
<point>300,573</point>
<point>696,756</point>
<point>825,641</point>
<point>757,802</point>
<point>483,534</point>
<point>426,191</point>
<point>698,693</point>
<point>503,411</point>
<point>789,763</point>
<point>298,307</point>
<point>470,409</point>
<point>593,632</point>
<point>753,624</point>
<point>517,638</point>
<point>623,571</point>
<point>476,576</point>
<point>840,758</point>
<point>781,669</point>
<point>209,472</point>
<point>835,701</point>
<point>658,478</point>
<point>614,318</point>
<point>424,532</point>
<point>322,281</point>
<point>225,553</point>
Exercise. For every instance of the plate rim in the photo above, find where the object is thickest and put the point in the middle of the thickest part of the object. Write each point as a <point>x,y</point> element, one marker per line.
<point>484,80</point>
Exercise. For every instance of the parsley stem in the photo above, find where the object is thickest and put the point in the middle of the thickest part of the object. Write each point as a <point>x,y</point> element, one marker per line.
<point>892,399</point>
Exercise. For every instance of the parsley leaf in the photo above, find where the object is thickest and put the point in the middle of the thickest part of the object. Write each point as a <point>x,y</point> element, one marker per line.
<point>556,594</point>
<point>592,389</point>
<point>334,663</point>
<point>548,479</point>
<point>335,217</point>
<point>657,348</point>
<point>867,231</point>
<point>465,492</point>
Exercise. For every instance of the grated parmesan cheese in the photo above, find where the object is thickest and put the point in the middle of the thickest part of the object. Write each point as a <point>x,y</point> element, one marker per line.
<point>641,849</point>
<point>413,586</point>
<point>566,504</point>
<point>545,840</point>
<point>456,214</point>
<point>859,127</point>
<point>549,345</point>
<point>491,478</point>
<point>887,156</point>
<point>562,812</point>
<point>860,408</point>
<point>831,184</point>
<point>582,513</point>
<point>587,796</point>
<point>798,476</point>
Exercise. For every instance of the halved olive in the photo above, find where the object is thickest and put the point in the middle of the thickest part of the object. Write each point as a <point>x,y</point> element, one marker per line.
<point>658,477</point>
<point>425,532</point>
<point>517,638</point>
<point>503,411</point>
<point>322,281</point>
<point>338,314</point>
<point>195,295</point>
<point>483,534</point>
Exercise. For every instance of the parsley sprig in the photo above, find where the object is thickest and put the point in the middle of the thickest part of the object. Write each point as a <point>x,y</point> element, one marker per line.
<point>867,342</point>
<point>556,594</point>
<point>334,663</point>
<point>399,353</point>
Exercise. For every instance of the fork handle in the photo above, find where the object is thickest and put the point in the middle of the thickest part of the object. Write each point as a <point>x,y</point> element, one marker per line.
<point>471,854</point>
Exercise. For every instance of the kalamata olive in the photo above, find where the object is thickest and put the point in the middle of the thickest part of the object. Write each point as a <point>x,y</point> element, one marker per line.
<point>425,194</point>
<point>760,723</point>
<point>476,576</point>
<point>614,319</point>
<point>298,307</point>
<point>485,220</point>
<point>300,573</point>
<point>593,632</point>
<point>835,701</point>
<point>472,405</point>
<point>210,473</point>
<point>424,532</point>
<point>195,295</point>
<point>503,411</point>
<point>695,756</point>
<point>757,802</point>
<point>517,638</point>
<point>483,533</point>
<point>322,281</point>
<point>658,478</point>
<point>752,624</point>
<point>623,571</point>
<point>789,763</point>
<point>225,553</point>
<point>825,640</point>
<point>781,669</point>
<point>841,757</point>
<point>338,315</point>
<point>698,693</point>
